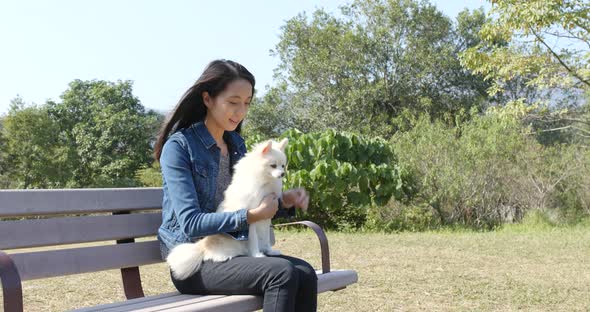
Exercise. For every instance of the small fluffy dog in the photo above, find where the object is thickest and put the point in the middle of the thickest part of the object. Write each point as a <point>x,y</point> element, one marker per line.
<point>257,174</point>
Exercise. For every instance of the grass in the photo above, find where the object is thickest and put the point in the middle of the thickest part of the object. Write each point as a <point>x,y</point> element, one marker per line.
<point>540,269</point>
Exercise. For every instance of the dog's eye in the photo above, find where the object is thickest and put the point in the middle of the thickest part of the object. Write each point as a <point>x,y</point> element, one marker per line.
<point>283,166</point>
<point>273,166</point>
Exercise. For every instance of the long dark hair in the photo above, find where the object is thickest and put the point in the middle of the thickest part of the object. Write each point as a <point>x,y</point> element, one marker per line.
<point>191,108</point>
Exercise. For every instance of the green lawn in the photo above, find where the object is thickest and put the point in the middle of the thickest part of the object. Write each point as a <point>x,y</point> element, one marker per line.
<point>537,270</point>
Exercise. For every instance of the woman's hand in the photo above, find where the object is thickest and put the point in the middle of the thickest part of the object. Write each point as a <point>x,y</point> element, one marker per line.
<point>266,210</point>
<point>297,198</point>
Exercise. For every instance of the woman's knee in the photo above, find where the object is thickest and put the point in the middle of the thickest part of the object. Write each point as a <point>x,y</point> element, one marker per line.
<point>284,273</point>
<point>307,273</point>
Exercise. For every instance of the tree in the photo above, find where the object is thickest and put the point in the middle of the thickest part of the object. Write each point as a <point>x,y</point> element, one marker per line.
<point>549,39</point>
<point>99,135</point>
<point>271,115</point>
<point>106,131</point>
<point>30,155</point>
<point>358,70</point>
<point>548,51</point>
<point>4,180</point>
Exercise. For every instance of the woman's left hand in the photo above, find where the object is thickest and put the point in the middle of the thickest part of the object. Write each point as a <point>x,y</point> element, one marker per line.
<point>297,198</point>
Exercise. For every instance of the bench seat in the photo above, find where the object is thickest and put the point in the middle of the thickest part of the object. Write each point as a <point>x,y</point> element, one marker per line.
<point>177,302</point>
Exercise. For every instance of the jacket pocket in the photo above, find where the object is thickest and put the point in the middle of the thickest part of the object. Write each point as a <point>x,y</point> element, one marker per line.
<point>202,185</point>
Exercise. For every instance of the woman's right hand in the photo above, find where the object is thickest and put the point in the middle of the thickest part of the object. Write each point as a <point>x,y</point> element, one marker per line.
<point>266,210</point>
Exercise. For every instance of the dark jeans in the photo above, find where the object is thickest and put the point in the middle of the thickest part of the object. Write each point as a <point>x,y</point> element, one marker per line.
<point>287,283</point>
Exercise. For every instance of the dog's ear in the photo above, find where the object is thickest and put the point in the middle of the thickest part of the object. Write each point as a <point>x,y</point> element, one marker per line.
<point>283,144</point>
<point>266,147</point>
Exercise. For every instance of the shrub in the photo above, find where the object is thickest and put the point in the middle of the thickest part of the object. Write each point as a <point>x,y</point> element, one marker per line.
<point>491,170</point>
<point>345,173</point>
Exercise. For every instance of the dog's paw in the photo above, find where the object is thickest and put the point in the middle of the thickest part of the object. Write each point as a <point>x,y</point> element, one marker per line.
<point>220,258</point>
<point>272,252</point>
<point>258,255</point>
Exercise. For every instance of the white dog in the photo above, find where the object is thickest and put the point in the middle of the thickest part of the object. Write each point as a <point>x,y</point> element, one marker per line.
<point>257,174</point>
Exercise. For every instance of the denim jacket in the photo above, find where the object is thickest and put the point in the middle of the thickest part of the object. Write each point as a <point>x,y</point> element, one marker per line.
<point>190,165</point>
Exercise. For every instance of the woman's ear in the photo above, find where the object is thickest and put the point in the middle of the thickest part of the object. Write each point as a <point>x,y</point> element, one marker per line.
<point>206,99</point>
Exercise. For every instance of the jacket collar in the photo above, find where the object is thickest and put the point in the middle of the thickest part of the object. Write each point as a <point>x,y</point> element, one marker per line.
<point>203,134</point>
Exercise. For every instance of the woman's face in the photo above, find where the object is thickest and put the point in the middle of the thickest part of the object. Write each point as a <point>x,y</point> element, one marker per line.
<point>228,108</point>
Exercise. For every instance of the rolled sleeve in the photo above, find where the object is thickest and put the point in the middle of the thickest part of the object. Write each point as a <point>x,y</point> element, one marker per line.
<point>242,216</point>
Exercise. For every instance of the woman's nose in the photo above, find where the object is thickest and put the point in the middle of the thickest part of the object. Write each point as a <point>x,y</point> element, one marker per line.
<point>242,110</point>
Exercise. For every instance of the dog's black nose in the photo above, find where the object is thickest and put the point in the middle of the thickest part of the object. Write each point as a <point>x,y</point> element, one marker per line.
<point>282,174</point>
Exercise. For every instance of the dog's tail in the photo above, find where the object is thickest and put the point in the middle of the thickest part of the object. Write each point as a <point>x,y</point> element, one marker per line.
<point>185,259</point>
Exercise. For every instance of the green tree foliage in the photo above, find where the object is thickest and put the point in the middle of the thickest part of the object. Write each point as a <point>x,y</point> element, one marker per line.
<point>549,43</point>
<point>150,176</point>
<point>99,135</point>
<point>271,115</point>
<point>546,61</point>
<point>4,181</point>
<point>107,131</point>
<point>30,155</point>
<point>357,70</point>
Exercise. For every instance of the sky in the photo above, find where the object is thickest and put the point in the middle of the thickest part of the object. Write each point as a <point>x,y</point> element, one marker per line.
<point>162,46</point>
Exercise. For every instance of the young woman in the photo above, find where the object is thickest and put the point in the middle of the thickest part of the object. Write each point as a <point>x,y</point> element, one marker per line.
<point>197,148</point>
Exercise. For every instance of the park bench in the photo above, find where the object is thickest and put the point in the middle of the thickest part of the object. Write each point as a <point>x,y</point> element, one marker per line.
<point>36,218</point>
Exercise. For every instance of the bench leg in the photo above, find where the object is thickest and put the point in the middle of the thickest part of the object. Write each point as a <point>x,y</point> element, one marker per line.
<point>132,283</point>
<point>131,278</point>
<point>11,285</point>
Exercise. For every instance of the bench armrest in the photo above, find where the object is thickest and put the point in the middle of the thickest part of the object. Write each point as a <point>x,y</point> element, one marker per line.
<point>12,290</point>
<point>322,238</point>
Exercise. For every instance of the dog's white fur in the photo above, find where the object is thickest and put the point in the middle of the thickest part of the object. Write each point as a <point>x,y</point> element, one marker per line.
<point>257,174</point>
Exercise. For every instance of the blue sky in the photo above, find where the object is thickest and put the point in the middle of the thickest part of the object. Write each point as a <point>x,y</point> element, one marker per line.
<point>162,46</point>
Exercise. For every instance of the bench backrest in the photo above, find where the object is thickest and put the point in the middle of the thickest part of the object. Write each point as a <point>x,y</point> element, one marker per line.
<point>60,217</point>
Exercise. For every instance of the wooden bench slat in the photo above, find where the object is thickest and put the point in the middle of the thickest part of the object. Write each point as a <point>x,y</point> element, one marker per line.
<point>68,201</point>
<point>182,302</point>
<point>226,304</point>
<point>166,303</point>
<point>177,302</point>
<point>71,230</point>
<point>150,303</point>
<point>43,264</point>
<point>107,306</point>
<point>185,303</point>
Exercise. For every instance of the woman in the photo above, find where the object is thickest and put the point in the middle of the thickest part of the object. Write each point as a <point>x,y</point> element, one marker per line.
<point>197,148</point>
